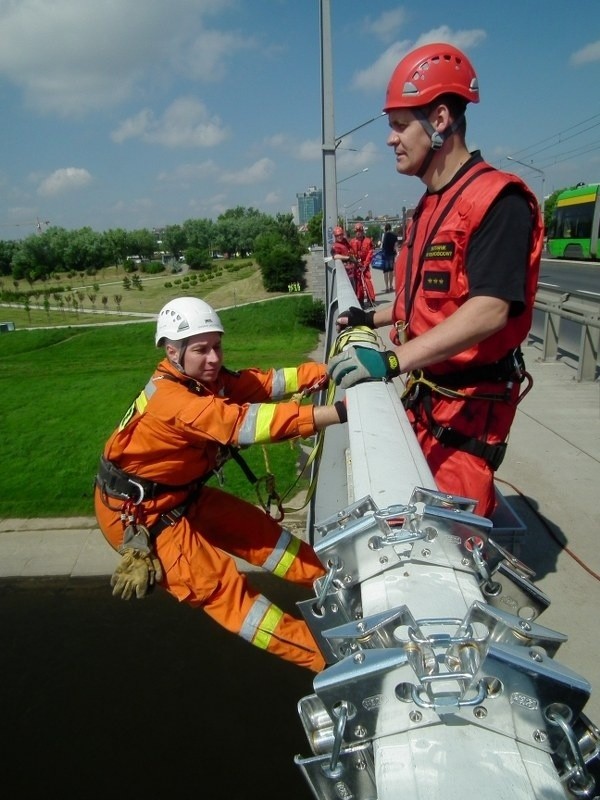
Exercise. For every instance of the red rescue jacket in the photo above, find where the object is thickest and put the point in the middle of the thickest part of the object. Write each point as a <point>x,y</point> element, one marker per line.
<point>362,249</point>
<point>431,277</point>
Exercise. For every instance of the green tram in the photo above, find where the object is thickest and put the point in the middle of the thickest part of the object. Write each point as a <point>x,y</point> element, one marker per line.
<point>575,226</point>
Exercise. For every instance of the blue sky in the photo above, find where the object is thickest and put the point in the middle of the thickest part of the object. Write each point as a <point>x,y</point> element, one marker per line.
<point>144,113</point>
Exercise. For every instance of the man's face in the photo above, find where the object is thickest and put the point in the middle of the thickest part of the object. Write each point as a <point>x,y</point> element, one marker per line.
<point>202,357</point>
<point>409,139</point>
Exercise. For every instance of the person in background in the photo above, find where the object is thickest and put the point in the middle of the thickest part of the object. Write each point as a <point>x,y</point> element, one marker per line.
<point>466,278</point>
<point>361,247</point>
<point>151,500</point>
<point>340,250</point>
<point>388,247</point>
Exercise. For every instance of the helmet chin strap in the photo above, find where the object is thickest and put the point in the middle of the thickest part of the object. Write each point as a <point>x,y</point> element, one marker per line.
<point>178,362</point>
<point>437,138</point>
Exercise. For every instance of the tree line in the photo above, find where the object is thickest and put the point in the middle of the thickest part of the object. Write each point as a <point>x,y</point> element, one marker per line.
<point>273,242</point>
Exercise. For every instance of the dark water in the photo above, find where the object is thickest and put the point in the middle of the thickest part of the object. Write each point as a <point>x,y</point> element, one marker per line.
<point>147,698</point>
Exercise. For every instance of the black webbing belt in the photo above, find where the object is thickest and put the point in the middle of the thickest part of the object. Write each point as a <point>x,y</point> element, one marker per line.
<point>115,482</point>
<point>509,368</point>
<point>493,454</point>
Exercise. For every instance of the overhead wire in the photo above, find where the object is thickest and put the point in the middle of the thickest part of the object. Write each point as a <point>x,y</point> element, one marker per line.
<point>558,140</point>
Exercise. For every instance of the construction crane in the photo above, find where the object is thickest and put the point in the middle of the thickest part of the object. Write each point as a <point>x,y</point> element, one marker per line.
<point>39,224</point>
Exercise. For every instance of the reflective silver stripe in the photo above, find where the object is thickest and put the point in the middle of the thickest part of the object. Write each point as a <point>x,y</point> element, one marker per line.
<point>253,618</point>
<point>278,551</point>
<point>247,433</point>
<point>278,389</point>
<point>285,383</point>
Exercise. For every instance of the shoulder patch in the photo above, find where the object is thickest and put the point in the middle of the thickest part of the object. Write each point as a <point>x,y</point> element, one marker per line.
<point>436,281</point>
<point>440,250</point>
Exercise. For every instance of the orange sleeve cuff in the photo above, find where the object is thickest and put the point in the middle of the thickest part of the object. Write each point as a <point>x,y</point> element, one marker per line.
<point>306,421</point>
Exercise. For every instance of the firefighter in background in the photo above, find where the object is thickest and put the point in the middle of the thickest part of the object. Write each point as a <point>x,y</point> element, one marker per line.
<point>171,529</point>
<point>340,250</point>
<point>466,280</point>
<point>361,247</point>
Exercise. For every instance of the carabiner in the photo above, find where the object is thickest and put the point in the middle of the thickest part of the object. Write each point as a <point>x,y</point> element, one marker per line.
<point>140,489</point>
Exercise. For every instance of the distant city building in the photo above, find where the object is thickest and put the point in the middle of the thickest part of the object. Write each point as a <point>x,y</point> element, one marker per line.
<point>309,204</point>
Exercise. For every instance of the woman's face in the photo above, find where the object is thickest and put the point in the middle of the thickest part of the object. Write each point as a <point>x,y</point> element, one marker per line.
<point>202,356</point>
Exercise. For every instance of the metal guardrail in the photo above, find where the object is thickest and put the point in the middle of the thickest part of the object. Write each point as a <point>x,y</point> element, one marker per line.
<point>439,678</point>
<point>557,306</point>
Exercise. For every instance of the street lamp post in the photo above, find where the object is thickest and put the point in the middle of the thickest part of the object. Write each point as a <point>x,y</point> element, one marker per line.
<point>348,207</point>
<point>535,169</point>
<point>354,174</point>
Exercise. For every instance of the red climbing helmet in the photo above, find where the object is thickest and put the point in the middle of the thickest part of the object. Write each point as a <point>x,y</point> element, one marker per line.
<point>428,72</point>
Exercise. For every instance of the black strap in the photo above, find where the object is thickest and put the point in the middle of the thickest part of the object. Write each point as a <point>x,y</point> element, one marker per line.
<point>509,368</point>
<point>493,454</point>
<point>170,518</point>
<point>237,456</point>
<point>410,292</point>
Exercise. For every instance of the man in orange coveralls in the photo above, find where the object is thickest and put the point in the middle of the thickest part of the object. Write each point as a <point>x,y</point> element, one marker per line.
<point>171,530</point>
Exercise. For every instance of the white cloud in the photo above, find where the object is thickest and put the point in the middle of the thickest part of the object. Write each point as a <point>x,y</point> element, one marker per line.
<point>71,57</point>
<point>185,123</point>
<point>587,54</point>
<point>386,25</point>
<point>188,174</point>
<point>307,150</point>
<point>64,180</point>
<point>375,77</point>
<point>258,172</point>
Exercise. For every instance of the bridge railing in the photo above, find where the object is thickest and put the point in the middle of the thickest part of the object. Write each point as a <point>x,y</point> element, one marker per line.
<point>439,678</point>
<point>556,307</point>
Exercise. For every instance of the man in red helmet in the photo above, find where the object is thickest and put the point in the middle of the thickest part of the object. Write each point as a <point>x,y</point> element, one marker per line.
<point>340,250</point>
<point>465,281</point>
<point>361,247</point>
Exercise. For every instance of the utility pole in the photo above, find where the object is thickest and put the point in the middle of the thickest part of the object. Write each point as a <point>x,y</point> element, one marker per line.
<point>330,209</point>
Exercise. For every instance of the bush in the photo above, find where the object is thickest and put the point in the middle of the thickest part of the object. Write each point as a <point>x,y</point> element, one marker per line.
<point>152,267</point>
<point>313,315</point>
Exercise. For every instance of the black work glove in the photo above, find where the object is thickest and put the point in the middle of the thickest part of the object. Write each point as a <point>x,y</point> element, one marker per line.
<point>356,317</point>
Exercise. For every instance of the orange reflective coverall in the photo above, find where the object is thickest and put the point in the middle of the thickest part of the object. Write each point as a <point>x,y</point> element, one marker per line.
<point>174,434</point>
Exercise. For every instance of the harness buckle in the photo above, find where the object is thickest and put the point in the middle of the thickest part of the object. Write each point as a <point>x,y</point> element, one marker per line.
<point>140,499</point>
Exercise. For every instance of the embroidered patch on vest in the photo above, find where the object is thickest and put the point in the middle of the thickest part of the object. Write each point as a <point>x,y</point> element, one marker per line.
<point>440,250</point>
<point>436,281</point>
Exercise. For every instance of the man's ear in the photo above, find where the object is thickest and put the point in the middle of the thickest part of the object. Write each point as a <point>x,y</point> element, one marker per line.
<point>441,123</point>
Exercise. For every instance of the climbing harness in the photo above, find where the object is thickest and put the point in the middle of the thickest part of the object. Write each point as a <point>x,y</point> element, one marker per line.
<point>132,490</point>
<point>421,385</point>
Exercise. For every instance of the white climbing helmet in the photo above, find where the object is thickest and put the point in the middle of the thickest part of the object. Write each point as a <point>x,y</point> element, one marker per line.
<point>185,317</point>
